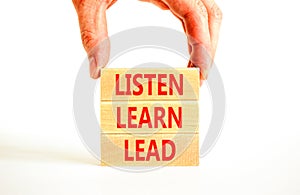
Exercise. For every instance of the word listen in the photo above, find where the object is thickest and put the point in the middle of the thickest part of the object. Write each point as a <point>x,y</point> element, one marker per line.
<point>166,83</point>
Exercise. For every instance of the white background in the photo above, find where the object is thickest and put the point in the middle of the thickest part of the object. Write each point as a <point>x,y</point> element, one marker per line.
<point>258,57</point>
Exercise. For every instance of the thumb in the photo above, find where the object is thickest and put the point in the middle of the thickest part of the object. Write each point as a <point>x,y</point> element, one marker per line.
<point>94,36</point>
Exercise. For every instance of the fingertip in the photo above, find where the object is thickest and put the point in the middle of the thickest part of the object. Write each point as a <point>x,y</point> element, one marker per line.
<point>94,70</point>
<point>203,75</point>
<point>95,74</point>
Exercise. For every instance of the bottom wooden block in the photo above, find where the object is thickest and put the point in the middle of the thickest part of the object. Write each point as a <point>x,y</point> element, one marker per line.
<point>153,150</point>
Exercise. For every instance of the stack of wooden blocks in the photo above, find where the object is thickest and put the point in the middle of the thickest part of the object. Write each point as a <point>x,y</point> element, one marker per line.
<point>149,117</point>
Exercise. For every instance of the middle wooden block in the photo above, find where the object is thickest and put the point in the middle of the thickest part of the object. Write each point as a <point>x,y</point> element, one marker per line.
<point>149,117</point>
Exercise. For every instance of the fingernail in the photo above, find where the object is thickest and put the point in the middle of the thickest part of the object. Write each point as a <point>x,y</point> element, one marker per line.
<point>93,66</point>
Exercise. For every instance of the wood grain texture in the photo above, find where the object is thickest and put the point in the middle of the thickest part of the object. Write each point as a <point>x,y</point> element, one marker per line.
<point>113,150</point>
<point>189,116</point>
<point>191,84</point>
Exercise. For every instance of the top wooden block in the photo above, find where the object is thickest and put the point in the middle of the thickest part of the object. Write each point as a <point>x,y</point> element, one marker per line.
<point>148,84</point>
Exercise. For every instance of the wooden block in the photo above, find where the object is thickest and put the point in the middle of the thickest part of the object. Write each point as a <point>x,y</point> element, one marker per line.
<point>165,84</point>
<point>148,117</point>
<point>154,150</point>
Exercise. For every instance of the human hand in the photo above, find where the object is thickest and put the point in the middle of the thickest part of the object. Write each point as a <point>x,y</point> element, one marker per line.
<point>201,20</point>
<point>93,29</point>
